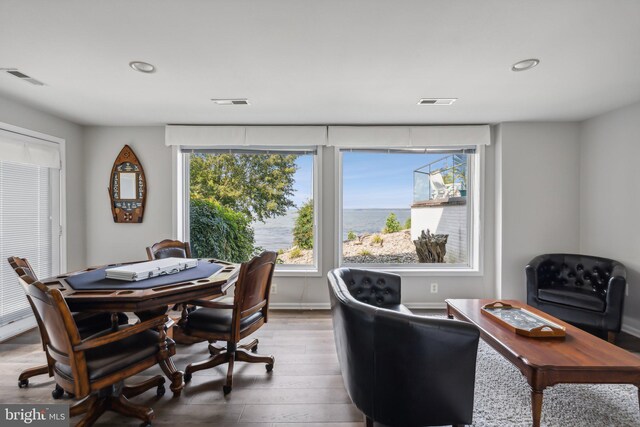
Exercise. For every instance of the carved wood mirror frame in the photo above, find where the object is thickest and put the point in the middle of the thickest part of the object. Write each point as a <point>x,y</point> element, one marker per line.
<point>127,188</point>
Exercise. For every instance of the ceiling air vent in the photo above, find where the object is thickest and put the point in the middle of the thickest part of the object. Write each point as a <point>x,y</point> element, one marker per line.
<point>22,76</point>
<point>239,101</point>
<point>437,101</point>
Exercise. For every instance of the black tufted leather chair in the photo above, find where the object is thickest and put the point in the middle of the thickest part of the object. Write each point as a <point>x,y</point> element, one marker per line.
<point>583,290</point>
<point>398,368</point>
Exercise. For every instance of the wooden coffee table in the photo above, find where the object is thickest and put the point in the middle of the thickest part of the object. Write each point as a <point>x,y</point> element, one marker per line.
<point>577,358</point>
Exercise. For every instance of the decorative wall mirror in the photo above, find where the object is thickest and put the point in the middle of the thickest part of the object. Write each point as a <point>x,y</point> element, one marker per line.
<point>127,187</point>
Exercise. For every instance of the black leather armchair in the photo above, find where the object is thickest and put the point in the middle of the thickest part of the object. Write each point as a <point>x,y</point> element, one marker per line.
<point>583,290</point>
<point>400,369</point>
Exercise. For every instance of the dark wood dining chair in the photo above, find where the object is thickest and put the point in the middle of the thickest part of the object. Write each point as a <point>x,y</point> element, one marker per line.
<point>169,248</point>
<point>232,320</point>
<point>87,324</point>
<point>93,369</point>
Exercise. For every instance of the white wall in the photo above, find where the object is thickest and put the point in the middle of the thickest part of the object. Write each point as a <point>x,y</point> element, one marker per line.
<point>610,197</point>
<point>107,241</point>
<point>18,114</point>
<point>537,197</point>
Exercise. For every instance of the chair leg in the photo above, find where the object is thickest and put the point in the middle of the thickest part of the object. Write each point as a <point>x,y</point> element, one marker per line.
<point>251,345</point>
<point>82,406</point>
<point>243,355</point>
<point>611,337</point>
<point>92,410</point>
<point>226,388</point>
<point>368,422</point>
<point>215,349</point>
<point>136,389</point>
<point>216,360</point>
<point>122,405</point>
<point>23,379</point>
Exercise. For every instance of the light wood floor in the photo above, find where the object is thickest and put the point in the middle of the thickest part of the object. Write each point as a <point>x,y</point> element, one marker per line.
<point>305,387</point>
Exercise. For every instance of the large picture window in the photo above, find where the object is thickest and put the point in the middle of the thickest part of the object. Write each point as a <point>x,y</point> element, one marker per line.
<point>244,201</point>
<point>408,208</point>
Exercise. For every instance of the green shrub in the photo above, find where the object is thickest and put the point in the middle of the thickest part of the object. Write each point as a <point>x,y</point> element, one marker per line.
<point>303,228</point>
<point>351,236</point>
<point>392,224</point>
<point>407,224</point>
<point>219,232</point>
<point>364,252</point>
<point>295,252</point>
<point>376,239</point>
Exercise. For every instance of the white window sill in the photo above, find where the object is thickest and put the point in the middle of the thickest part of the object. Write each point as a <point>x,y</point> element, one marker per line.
<point>287,271</point>
<point>420,271</point>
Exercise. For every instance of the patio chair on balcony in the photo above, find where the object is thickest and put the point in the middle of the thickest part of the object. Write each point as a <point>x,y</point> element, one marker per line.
<point>439,190</point>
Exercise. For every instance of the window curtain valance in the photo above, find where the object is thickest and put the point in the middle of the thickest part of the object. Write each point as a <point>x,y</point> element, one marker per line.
<point>339,136</point>
<point>245,136</point>
<point>18,148</point>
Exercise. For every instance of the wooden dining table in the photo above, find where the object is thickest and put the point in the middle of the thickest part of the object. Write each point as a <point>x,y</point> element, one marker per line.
<point>145,301</point>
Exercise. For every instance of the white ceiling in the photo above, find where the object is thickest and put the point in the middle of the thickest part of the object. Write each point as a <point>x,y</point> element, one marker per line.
<point>322,61</point>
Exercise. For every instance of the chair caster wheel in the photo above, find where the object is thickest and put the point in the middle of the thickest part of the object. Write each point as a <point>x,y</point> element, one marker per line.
<point>147,424</point>
<point>187,377</point>
<point>269,367</point>
<point>226,389</point>
<point>254,349</point>
<point>23,383</point>
<point>161,390</point>
<point>57,392</point>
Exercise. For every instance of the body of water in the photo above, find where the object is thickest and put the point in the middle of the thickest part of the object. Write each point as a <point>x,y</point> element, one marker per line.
<point>277,233</point>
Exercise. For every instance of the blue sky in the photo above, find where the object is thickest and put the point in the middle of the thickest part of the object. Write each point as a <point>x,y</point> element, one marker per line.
<point>371,180</point>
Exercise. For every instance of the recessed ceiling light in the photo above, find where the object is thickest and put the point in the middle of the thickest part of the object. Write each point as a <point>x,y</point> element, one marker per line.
<point>437,101</point>
<point>237,101</point>
<point>525,64</point>
<point>143,67</point>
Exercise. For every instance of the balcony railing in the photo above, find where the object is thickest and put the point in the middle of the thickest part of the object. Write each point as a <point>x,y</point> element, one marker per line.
<point>441,179</point>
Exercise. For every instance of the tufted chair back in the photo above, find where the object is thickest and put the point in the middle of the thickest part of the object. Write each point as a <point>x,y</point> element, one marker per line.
<point>580,272</point>
<point>372,287</point>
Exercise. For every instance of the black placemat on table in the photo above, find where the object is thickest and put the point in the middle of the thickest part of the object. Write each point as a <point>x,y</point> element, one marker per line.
<point>97,280</point>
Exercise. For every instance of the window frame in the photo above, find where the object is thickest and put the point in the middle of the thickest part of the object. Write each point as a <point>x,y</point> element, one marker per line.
<point>474,218</point>
<point>181,193</point>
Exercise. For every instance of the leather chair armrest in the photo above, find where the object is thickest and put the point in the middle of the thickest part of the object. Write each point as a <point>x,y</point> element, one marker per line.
<point>154,323</point>
<point>616,289</point>
<point>531,272</point>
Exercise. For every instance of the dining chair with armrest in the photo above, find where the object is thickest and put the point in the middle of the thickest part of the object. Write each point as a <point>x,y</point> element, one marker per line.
<point>93,369</point>
<point>169,248</point>
<point>87,323</point>
<point>232,320</point>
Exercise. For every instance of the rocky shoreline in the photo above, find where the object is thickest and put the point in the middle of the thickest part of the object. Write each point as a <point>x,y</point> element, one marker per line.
<point>378,248</point>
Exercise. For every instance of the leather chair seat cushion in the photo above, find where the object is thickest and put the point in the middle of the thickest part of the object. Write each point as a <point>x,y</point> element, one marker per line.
<point>116,356</point>
<point>217,319</point>
<point>399,308</point>
<point>572,297</point>
<point>98,322</point>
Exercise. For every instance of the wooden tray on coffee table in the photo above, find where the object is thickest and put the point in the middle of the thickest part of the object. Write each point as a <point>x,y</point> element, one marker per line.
<point>522,321</point>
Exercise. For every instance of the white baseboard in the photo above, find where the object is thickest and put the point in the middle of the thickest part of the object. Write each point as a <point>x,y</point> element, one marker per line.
<point>426,305</point>
<point>631,326</point>
<point>326,306</point>
<point>17,327</point>
<point>300,305</point>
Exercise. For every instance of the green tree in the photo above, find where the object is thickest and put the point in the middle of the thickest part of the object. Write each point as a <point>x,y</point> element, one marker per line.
<point>258,185</point>
<point>219,232</point>
<point>303,228</point>
<point>407,224</point>
<point>392,225</point>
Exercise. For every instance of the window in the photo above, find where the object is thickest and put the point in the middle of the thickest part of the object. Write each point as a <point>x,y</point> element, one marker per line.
<point>29,219</point>
<point>409,208</point>
<point>244,201</point>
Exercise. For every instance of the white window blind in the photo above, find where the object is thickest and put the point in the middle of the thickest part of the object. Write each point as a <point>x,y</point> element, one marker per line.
<point>25,231</point>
